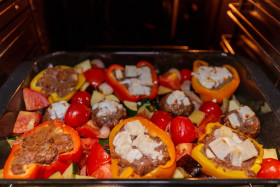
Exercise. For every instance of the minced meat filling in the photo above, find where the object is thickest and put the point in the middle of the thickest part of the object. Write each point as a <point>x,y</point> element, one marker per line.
<point>58,80</point>
<point>227,163</point>
<point>41,147</point>
<point>146,162</point>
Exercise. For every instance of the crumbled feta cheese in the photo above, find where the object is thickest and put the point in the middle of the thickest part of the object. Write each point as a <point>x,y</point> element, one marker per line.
<point>236,157</point>
<point>233,119</point>
<point>105,88</point>
<point>138,80</point>
<point>58,110</point>
<point>211,77</point>
<point>209,154</point>
<point>245,112</point>
<point>178,97</point>
<point>146,76</point>
<point>236,138</point>
<point>135,128</point>
<point>134,154</point>
<point>130,71</point>
<point>136,88</point>
<point>239,150</point>
<point>147,146</point>
<point>229,141</point>
<point>132,143</point>
<point>247,149</point>
<point>119,74</point>
<point>107,107</point>
<point>220,148</point>
<point>122,143</point>
<point>222,132</point>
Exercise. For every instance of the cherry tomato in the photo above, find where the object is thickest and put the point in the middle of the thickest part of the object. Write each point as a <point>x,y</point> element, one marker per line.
<point>95,76</point>
<point>186,74</point>
<point>87,144</point>
<point>97,158</point>
<point>182,130</point>
<point>76,115</point>
<point>210,107</point>
<point>104,172</point>
<point>170,80</point>
<point>161,119</point>
<point>270,168</point>
<point>82,97</point>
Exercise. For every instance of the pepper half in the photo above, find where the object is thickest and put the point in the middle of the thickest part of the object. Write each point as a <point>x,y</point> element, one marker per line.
<point>35,170</point>
<point>162,171</point>
<point>54,96</point>
<point>121,90</point>
<point>225,91</point>
<point>212,169</point>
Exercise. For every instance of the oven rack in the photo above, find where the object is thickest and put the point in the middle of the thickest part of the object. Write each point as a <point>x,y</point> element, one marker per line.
<point>259,22</point>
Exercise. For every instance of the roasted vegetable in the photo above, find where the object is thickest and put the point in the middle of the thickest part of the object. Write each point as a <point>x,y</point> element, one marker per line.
<point>226,153</point>
<point>218,94</point>
<point>139,125</point>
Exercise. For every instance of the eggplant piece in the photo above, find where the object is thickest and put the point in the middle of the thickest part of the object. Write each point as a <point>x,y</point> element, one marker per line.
<point>190,165</point>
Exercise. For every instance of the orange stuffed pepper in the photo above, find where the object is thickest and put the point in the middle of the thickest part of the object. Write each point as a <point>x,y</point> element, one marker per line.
<point>214,83</point>
<point>140,149</point>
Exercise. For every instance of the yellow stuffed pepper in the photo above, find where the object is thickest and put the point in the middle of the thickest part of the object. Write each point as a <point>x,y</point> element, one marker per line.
<point>214,83</point>
<point>58,83</point>
<point>226,153</point>
<point>140,149</point>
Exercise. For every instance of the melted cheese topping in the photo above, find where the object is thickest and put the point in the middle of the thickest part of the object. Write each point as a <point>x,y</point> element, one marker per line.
<point>212,77</point>
<point>245,112</point>
<point>138,79</point>
<point>58,110</point>
<point>132,143</point>
<point>178,97</point>
<point>227,143</point>
<point>107,107</point>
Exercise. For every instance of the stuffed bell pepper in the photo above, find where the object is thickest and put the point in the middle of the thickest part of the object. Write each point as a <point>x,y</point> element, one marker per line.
<point>58,83</point>
<point>133,83</point>
<point>39,153</point>
<point>226,153</point>
<point>140,149</point>
<point>214,83</point>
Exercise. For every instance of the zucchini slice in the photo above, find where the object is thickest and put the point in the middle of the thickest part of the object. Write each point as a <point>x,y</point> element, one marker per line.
<point>112,97</point>
<point>96,97</point>
<point>69,173</point>
<point>131,108</point>
<point>85,65</point>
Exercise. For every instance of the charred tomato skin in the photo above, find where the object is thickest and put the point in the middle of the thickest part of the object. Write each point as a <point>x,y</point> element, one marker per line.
<point>76,115</point>
<point>182,130</point>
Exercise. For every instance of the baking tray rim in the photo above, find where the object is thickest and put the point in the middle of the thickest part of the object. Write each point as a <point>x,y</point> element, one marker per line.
<point>27,66</point>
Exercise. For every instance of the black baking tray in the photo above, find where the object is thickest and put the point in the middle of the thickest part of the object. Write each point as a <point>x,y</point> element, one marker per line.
<point>255,90</point>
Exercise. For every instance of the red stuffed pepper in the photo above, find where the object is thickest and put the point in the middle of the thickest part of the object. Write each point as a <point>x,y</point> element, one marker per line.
<point>133,83</point>
<point>48,148</point>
